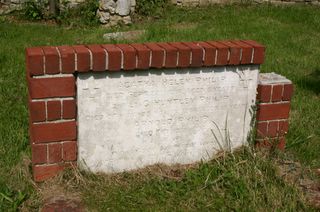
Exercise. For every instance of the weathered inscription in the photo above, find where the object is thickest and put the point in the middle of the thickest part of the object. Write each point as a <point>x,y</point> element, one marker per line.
<point>131,120</point>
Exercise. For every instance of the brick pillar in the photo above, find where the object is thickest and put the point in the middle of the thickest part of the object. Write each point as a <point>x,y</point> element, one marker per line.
<point>273,101</point>
<point>52,109</point>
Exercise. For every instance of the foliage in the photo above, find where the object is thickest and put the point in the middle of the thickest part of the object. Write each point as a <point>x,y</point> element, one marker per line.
<point>151,7</point>
<point>10,200</point>
<point>83,14</point>
<point>34,10</point>
<point>2,19</point>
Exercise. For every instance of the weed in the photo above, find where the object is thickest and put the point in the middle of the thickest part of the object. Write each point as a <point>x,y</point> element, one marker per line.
<point>83,14</point>
<point>34,10</point>
<point>11,199</point>
<point>225,183</point>
<point>151,7</point>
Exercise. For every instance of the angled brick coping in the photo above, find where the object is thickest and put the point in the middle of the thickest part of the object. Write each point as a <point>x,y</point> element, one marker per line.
<point>51,76</point>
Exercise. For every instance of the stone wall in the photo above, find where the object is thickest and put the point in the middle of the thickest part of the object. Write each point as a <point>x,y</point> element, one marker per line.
<point>110,12</point>
<point>8,6</point>
<point>208,2</point>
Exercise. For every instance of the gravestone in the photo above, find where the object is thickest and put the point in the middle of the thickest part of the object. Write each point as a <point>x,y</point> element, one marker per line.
<point>113,108</point>
<point>168,116</point>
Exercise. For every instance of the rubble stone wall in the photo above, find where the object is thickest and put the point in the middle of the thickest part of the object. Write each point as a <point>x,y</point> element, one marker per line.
<point>208,2</point>
<point>110,12</point>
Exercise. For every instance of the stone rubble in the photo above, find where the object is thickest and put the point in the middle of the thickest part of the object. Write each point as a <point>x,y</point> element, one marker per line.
<point>113,12</point>
<point>130,35</point>
<point>7,7</point>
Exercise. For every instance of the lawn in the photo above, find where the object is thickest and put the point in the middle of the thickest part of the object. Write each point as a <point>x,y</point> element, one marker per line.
<point>242,181</point>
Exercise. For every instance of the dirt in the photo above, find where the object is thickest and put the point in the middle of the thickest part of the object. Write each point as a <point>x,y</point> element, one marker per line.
<point>56,197</point>
<point>62,203</point>
<point>293,173</point>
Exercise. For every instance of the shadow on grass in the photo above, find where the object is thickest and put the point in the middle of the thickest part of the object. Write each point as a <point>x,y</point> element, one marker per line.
<point>311,82</point>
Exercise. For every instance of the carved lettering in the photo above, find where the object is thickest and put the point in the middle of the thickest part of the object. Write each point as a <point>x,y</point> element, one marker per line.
<point>130,120</point>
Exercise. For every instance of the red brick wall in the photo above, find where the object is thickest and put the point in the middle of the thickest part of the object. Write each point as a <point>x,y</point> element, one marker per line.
<point>273,113</point>
<point>52,86</point>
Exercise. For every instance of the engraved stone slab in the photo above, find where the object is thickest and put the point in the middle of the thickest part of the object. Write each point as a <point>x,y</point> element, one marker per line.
<point>128,120</point>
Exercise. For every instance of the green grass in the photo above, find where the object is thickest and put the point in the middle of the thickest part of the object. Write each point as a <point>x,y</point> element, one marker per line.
<point>291,35</point>
<point>244,181</point>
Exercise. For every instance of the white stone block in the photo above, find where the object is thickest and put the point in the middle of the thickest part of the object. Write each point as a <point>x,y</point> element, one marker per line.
<point>123,7</point>
<point>129,120</point>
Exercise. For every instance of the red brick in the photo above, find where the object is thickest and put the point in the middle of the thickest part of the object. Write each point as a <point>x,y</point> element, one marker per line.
<point>170,55</point>
<point>273,111</point>
<point>51,208</point>
<point>53,110</point>
<point>283,127</point>
<point>67,57</point>
<point>246,52</point>
<point>277,93</point>
<point>70,151</point>
<point>273,129</point>
<point>264,93</point>
<point>34,61</point>
<point>262,129</point>
<point>114,57</point>
<point>222,55</point>
<point>259,51</point>
<point>234,52</point>
<point>209,53</point>
<point>129,56</point>
<point>55,153</point>
<point>143,55</point>
<point>98,57</point>
<point>52,87</point>
<point>30,131</point>
<point>83,58</point>
<point>52,64</point>
<point>71,164</point>
<point>62,205</point>
<point>37,111</point>
<point>184,54</point>
<point>197,54</point>
<point>44,172</point>
<point>279,143</point>
<point>287,92</point>
<point>39,153</point>
<point>157,53</point>
<point>50,132</point>
<point>69,109</point>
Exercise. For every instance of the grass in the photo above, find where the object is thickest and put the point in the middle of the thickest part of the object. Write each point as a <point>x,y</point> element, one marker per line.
<point>291,35</point>
<point>246,181</point>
